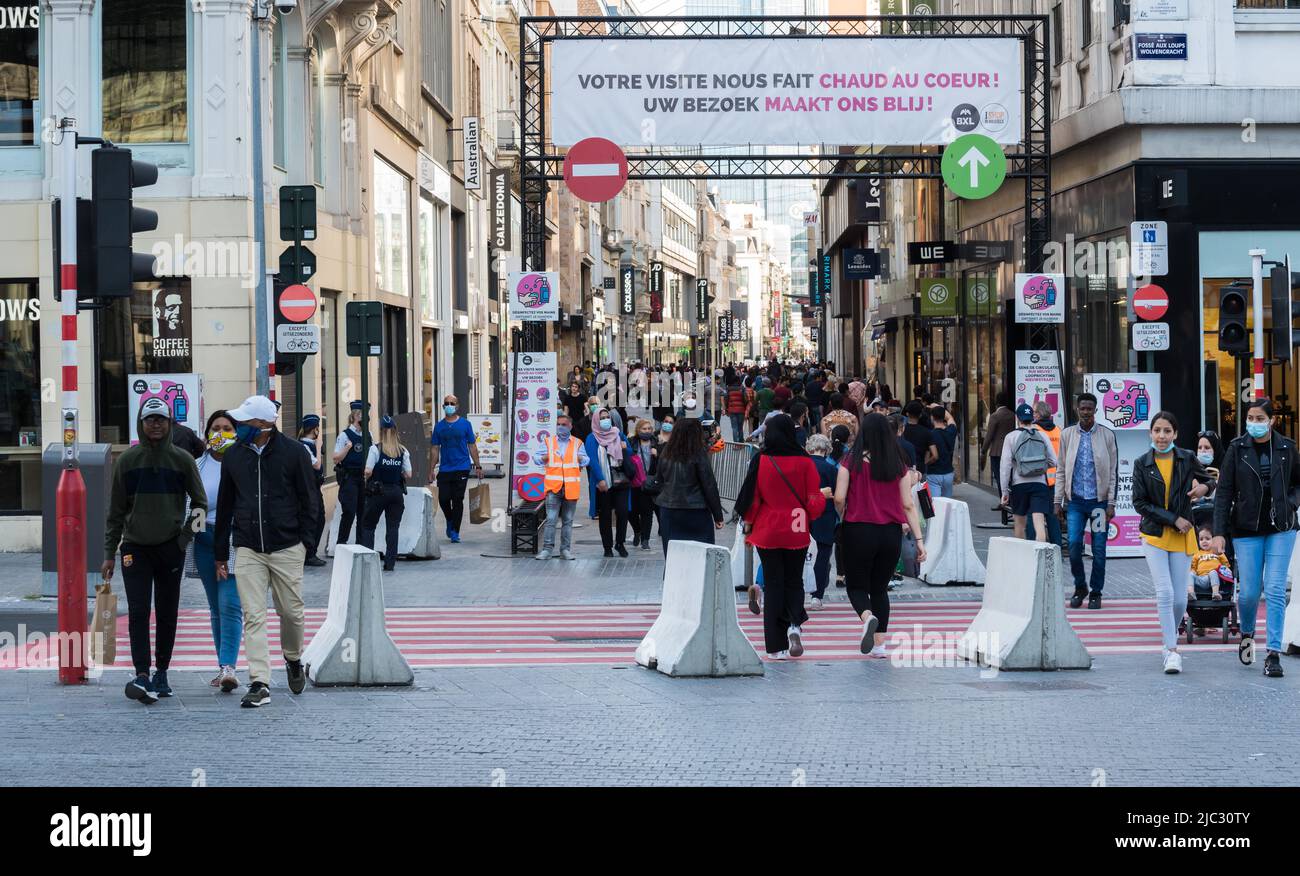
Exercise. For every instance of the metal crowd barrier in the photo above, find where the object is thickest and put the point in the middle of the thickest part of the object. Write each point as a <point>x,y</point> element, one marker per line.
<point>730,466</point>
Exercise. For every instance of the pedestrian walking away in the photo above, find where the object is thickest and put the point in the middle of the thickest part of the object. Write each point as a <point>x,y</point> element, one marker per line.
<point>148,520</point>
<point>309,434</point>
<point>564,457</point>
<point>1166,479</point>
<point>1002,422</point>
<point>873,496</point>
<point>1045,422</point>
<point>265,509</point>
<point>920,436</point>
<point>1084,495</point>
<point>388,467</point>
<point>227,615</point>
<point>349,463</point>
<point>452,452</point>
<point>685,489</point>
<point>824,528</point>
<point>1255,503</point>
<point>941,474</point>
<point>781,494</point>
<point>1026,457</point>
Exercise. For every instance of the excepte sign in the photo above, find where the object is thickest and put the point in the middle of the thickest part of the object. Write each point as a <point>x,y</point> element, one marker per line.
<point>1150,336</point>
<point>534,295</point>
<point>473,166</point>
<point>686,92</point>
<point>1040,298</point>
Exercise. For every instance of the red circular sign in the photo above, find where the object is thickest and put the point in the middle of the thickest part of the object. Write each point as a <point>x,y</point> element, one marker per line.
<point>532,488</point>
<point>595,169</point>
<point>297,303</point>
<point>1150,302</point>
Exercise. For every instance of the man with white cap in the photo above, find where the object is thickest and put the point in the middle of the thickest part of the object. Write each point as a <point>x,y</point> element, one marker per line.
<point>266,492</point>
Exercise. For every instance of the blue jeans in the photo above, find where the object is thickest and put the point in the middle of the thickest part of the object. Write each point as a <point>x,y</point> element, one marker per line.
<point>1079,519</point>
<point>561,509</point>
<point>223,601</point>
<point>940,485</point>
<point>1262,562</point>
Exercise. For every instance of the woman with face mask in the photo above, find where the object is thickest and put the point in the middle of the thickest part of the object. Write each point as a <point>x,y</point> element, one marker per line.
<point>223,595</point>
<point>646,447</point>
<point>1256,502</point>
<point>1166,481</point>
<point>608,449</point>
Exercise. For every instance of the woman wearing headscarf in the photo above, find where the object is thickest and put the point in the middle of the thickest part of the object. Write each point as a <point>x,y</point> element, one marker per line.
<point>607,447</point>
<point>781,496</point>
<point>858,394</point>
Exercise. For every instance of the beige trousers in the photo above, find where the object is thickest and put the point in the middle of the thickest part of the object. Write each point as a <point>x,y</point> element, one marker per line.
<point>281,571</point>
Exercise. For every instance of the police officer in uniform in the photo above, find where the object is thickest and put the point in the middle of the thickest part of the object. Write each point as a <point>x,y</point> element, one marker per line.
<point>309,435</point>
<point>349,464</point>
<point>388,465</point>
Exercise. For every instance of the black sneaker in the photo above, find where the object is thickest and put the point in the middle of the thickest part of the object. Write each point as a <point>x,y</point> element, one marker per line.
<point>140,688</point>
<point>1077,599</point>
<point>622,551</point>
<point>258,695</point>
<point>297,676</point>
<point>840,583</point>
<point>313,561</point>
<point>1273,665</point>
<point>160,685</point>
<point>1094,600</point>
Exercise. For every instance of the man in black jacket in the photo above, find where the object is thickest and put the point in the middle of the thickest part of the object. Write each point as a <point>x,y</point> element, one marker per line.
<point>266,490</point>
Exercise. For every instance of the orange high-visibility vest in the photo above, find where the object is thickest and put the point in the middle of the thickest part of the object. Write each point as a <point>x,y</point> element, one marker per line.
<point>1055,437</point>
<point>562,471</point>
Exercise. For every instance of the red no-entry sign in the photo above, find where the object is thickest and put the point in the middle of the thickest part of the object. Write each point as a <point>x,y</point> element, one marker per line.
<point>297,303</point>
<point>1150,302</point>
<point>595,169</point>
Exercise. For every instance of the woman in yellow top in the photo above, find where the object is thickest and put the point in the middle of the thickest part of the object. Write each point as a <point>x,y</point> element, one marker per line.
<point>1166,480</point>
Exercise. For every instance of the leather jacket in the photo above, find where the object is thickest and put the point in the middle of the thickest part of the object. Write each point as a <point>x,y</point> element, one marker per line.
<point>1149,490</point>
<point>1241,490</point>
<point>689,485</point>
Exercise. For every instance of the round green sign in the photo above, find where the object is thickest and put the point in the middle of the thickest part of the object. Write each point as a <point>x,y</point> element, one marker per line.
<point>974,166</point>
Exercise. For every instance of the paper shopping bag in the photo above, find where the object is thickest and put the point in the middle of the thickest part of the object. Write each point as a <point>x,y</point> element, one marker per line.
<point>103,628</point>
<point>480,503</point>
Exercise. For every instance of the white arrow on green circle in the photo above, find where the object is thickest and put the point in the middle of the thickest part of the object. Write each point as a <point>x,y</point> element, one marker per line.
<point>974,166</point>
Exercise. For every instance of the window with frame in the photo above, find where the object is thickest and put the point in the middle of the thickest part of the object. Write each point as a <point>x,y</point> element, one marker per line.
<point>20,74</point>
<point>392,216</point>
<point>144,67</point>
<point>1058,36</point>
<point>1086,31</point>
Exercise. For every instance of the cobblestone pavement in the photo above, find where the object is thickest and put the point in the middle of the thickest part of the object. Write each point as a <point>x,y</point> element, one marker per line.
<point>845,723</point>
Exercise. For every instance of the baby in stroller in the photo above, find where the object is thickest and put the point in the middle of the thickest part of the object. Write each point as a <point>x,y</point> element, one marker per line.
<point>1210,603</point>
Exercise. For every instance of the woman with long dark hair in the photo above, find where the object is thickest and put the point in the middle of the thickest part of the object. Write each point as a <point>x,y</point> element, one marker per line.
<point>779,499</point>
<point>841,441</point>
<point>690,508</point>
<point>873,495</point>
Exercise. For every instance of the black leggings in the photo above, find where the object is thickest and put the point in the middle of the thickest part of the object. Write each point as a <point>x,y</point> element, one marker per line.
<point>643,515</point>
<point>353,501</point>
<point>152,574</point>
<point>782,595</point>
<point>389,504</point>
<point>871,551</point>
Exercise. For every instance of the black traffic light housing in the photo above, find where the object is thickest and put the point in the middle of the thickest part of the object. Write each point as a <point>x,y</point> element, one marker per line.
<point>1234,304</point>
<point>1283,285</point>
<point>114,219</point>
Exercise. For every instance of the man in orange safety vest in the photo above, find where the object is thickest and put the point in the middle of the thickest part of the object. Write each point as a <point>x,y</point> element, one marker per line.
<point>564,457</point>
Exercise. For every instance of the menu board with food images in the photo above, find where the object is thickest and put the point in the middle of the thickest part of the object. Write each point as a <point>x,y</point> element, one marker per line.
<point>533,407</point>
<point>487,431</point>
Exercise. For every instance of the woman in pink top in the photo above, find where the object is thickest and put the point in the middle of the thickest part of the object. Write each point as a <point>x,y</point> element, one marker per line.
<point>873,495</point>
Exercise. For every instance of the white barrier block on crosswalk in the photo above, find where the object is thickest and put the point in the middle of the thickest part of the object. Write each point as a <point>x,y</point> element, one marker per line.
<point>1291,625</point>
<point>352,646</point>
<point>416,535</point>
<point>697,632</point>
<point>1021,623</point>
<point>950,556</point>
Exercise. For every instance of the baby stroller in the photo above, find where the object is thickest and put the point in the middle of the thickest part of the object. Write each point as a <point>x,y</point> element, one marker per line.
<point>1203,610</point>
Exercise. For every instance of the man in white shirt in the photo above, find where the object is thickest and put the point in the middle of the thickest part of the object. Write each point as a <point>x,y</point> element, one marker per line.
<point>1027,493</point>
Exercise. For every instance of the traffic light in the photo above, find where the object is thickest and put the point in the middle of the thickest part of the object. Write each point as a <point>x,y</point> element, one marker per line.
<point>1233,304</point>
<point>114,219</point>
<point>1282,284</point>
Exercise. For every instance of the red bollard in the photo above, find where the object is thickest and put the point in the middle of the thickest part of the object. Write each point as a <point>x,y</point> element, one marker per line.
<point>70,508</point>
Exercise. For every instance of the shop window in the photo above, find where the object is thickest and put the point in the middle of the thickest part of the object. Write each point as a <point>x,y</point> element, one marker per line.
<point>20,364</point>
<point>145,71</point>
<point>392,219</point>
<point>20,75</point>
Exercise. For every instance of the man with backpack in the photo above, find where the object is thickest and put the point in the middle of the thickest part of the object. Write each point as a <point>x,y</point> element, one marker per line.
<point>1026,457</point>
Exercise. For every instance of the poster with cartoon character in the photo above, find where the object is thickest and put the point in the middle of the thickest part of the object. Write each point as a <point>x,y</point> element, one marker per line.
<point>1038,379</point>
<point>534,296</point>
<point>183,394</point>
<point>1126,403</point>
<point>1040,298</point>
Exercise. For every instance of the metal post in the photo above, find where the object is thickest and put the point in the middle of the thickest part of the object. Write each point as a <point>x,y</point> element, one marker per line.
<point>70,497</point>
<point>264,356</point>
<point>1257,293</point>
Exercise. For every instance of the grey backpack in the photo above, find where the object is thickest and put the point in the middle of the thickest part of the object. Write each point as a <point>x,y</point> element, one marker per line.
<point>1029,459</point>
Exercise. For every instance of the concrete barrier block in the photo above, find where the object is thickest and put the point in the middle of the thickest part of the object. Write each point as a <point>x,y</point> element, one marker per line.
<point>352,647</point>
<point>416,535</point>
<point>697,632</point>
<point>950,547</point>
<point>1022,623</point>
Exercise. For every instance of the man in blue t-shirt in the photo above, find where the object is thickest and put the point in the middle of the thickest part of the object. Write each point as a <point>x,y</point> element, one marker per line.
<point>454,444</point>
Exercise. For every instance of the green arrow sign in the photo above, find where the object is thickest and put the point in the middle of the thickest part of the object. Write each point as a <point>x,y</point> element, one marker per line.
<point>974,166</point>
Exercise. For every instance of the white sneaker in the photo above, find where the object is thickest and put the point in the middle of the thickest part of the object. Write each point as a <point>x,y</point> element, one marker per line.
<point>569,555</point>
<point>880,652</point>
<point>779,655</point>
<point>816,604</point>
<point>795,635</point>
<point>228,680</point>
<point>216,680</point>
<point>544,555</point>
<point>1173,663</point>
<point>868,643</point>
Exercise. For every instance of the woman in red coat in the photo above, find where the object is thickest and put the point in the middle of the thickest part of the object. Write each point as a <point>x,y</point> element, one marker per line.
<point>781,495</point>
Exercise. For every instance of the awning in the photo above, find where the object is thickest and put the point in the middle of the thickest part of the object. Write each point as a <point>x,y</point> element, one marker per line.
<point>880,329</point>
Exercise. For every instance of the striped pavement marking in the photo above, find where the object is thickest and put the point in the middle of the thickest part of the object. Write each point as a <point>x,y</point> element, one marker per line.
<point>608,634</point>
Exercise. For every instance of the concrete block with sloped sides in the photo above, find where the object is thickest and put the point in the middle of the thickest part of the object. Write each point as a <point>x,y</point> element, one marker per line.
<point>352,647</point>
<point>950,556</point>
<point>697,632</point>
<point>416,535</point>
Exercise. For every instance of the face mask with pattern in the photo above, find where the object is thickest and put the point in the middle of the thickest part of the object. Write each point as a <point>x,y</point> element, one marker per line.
<point>220,439</point>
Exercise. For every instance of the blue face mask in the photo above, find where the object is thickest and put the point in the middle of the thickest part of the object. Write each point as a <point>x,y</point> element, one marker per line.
<point>1257,430</point>
<point>1158,450</point>
<point>606,424</point>
<point>449,409</point>
<point>1205,458</point>
<point>245,433</point>
<point>666,427</point>
<point>563,432</point>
